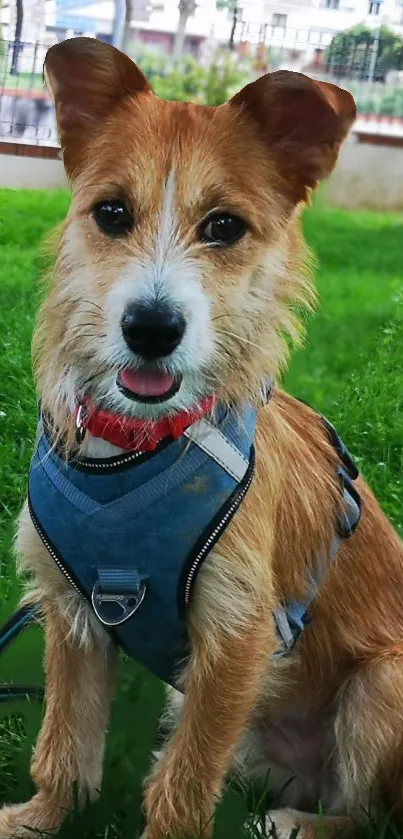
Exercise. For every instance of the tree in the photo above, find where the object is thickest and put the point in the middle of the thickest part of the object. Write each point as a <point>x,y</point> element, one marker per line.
<point>126,29</point>
<point>187,8</point>
<point>118,23</point>
<point>232,6</point>
<point>360,53</point>
<point>121,24</point>
<point>17,37</point>
<point>392,51</point>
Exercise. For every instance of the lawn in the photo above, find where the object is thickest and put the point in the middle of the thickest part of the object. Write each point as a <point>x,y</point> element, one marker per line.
<point>350,370</point>
<point>22,81</point>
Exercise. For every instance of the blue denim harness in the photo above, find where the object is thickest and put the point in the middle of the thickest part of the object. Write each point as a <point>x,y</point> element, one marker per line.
<point>130,533</point>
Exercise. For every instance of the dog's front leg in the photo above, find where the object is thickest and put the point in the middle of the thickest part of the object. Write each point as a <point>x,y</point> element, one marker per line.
<point>69,751</point>
<point>221,689</point>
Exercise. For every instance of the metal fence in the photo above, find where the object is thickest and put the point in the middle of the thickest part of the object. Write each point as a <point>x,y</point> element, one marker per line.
<point>26,110</point>
<point>366,56</point>
<point>370,65</point>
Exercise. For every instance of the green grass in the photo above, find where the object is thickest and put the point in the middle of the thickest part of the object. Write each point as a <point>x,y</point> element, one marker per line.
<point>22,81</point>
<point>350,370</point>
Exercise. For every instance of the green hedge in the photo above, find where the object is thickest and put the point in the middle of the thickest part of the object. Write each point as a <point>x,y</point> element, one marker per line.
<point>186,80</point>
<point>389,103</point>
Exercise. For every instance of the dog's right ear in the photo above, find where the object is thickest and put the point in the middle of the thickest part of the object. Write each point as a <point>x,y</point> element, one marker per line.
<point>87,80</point>
<point>301,121</point>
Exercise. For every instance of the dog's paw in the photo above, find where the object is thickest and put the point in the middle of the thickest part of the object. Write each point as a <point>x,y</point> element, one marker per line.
<point>283,824</point>
<point>176,807</point>
<point>288,824</point>
<point>19,821</point>
<point>12,822</point>
<point>16,821</point>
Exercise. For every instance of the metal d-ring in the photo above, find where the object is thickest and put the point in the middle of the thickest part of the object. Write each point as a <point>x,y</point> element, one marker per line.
<point>98,598</point>
<point>80,424</point>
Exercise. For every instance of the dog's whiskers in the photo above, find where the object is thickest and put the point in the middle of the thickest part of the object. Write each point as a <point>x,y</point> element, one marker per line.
<point>94,376</point>
<point>240,338</point>
<point>80,325</point>
<point>78,301</point>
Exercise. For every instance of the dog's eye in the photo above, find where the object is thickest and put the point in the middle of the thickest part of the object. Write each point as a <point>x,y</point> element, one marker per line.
<point>223,229</point>
<point>113,217</point>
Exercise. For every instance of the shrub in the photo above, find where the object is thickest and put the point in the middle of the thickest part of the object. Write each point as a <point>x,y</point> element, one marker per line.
<point>367,105</point>
<point>186,80</point>
<point>350,53</point>
<point>222,80</point>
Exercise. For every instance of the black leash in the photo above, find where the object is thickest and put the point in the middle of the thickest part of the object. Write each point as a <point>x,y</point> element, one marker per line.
<point>22,618</point>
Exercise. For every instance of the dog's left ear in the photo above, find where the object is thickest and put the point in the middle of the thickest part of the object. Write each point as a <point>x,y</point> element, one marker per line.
<point>302,121</point>
<point>88,80</point>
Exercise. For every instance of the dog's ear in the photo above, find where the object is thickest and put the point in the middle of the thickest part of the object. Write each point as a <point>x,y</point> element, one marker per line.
<point>87,80</point>
<point>303,123</point>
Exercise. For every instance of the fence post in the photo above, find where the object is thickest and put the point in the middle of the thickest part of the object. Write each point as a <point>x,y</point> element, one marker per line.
<point>374,57</point>
<point>33,70</point>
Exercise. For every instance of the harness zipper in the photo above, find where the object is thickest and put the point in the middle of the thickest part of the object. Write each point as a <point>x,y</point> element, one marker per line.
<point>52,553</point>
<point>196,562</point>
<point>213,536</point>
<point>89,464</point>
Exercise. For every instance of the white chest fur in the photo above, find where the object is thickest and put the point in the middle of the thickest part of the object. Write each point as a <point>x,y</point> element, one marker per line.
<point>100,449</point>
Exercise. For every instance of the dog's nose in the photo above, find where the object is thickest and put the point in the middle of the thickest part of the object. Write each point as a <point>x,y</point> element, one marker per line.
<point>152,331</point>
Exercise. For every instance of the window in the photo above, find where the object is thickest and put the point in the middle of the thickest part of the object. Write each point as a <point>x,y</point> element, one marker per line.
<point>332,4</point>
<point>374,7</point>
<point>279,20</point>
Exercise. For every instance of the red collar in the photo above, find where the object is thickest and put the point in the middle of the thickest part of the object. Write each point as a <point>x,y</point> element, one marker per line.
<point>135,434</point>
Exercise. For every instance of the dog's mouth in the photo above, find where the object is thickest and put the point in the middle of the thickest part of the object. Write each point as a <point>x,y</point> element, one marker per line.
<point>147,385</point>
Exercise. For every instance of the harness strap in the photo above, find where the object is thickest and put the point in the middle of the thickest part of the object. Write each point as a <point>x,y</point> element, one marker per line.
<point>213,442</point>
<point>292,618</point>
<point>23,617</point>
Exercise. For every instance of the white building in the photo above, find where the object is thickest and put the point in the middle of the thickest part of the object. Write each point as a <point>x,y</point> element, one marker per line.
<point>38,16</point>
<point>286,22</point>
<point>292,24</point>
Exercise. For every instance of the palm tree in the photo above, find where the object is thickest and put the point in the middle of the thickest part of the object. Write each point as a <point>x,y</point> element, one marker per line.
<point>17,37</point>
<point>121,24</point>
<point>126,30</point>
<point>231,42</point>
<point>187,8</point>
<point>232,6</point>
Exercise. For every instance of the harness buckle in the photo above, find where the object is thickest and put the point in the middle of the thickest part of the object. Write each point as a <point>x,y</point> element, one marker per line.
<point>349,518</point>
<point>113,609</point>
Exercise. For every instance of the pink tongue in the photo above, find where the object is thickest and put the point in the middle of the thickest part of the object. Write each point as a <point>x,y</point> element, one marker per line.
<point>145,383</point>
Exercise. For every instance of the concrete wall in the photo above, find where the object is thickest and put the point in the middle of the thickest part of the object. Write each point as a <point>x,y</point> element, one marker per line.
<point>367,176</point>
<point>18,172</point>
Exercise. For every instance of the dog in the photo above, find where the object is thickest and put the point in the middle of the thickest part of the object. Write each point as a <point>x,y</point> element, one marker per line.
<point>174,299</point>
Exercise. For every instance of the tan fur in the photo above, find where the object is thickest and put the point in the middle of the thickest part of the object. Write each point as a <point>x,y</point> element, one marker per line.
<point>257,156</point>
<point>69,750</point>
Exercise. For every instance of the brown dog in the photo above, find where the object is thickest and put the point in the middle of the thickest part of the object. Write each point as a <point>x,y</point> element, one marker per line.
<point>199,207</point>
